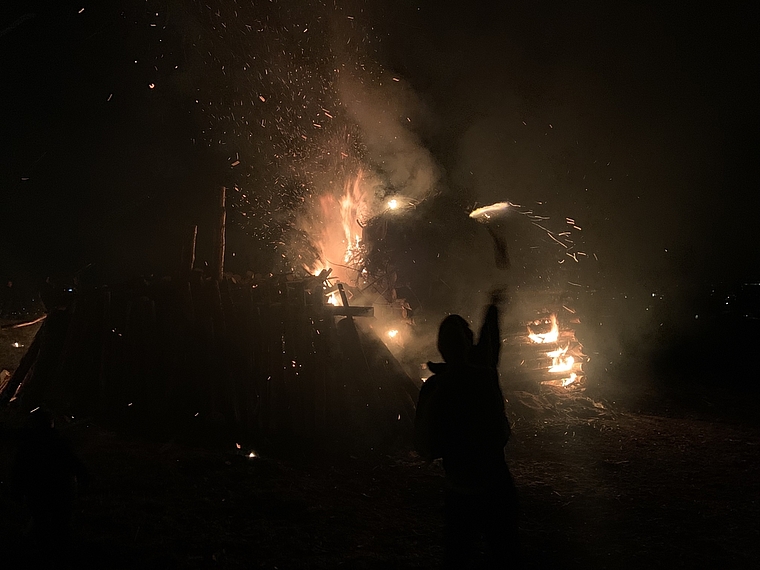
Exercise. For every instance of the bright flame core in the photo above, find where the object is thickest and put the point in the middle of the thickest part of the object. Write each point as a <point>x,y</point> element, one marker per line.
<point>562,364</point>
<point>337,232</point>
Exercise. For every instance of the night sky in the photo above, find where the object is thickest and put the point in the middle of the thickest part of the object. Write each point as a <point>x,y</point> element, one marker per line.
<point>635,120</point>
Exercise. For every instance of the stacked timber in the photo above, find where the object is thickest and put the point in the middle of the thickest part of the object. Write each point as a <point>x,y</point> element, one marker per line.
<point>543,348</point>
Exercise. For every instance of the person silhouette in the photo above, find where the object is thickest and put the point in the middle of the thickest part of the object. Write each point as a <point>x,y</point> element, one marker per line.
<point>48,474</point>
<point>460,418</point>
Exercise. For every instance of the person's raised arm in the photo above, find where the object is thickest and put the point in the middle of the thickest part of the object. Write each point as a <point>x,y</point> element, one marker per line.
<point>489,341</point>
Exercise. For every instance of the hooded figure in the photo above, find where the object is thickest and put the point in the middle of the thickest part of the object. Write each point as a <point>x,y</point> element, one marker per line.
<point>47,474</point>
<point>460,418</point>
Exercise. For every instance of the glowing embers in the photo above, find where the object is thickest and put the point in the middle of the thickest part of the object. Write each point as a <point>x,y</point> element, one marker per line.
<point>250,454</point>
<point>562,382</point>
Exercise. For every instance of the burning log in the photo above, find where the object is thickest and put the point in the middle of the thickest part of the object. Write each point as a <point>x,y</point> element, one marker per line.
<point>546,352</point>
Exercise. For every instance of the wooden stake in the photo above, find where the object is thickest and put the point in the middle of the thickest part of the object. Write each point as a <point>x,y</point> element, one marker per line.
<point>220,241</point>
<point>188,251</point>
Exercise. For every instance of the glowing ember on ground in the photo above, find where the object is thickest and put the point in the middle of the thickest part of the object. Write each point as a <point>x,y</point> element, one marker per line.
<point>392,333</point>
<point>487,212</point>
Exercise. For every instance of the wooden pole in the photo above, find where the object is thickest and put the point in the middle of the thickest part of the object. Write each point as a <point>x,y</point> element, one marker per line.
<point>188,251</point>
<point>220,241</point>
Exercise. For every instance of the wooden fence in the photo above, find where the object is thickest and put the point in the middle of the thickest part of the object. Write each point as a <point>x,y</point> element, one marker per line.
<point>266,360</point>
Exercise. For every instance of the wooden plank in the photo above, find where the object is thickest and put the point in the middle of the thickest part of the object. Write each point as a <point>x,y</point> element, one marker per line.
<point>350,311</point>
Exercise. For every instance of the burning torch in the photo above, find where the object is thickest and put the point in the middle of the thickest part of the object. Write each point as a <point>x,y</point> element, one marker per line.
<point>490,217</point>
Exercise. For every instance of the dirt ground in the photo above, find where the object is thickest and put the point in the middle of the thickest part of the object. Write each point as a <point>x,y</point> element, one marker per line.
<point>600,488</point>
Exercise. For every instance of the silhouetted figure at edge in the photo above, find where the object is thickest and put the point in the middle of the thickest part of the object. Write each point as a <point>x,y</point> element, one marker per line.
<point>460,418</point>
<point>47,473</point>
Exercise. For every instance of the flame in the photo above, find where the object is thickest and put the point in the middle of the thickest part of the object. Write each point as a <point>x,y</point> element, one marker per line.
<point>392,204</point>
<point>569,380</point>
<point>332,298</point>
<point>560,362</point>
<point>338,233</point>
<point>392,333</point>
<point>563,382</point>
<point>563,365</point>
<point>555,354</point>
<point>548,337</point>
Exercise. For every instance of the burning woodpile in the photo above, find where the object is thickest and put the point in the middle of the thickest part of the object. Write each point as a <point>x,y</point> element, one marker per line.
<point>276,356</point>
<point>543,347</point>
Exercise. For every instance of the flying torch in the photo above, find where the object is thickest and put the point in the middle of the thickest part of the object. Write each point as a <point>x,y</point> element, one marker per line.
<point>490,217</point>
